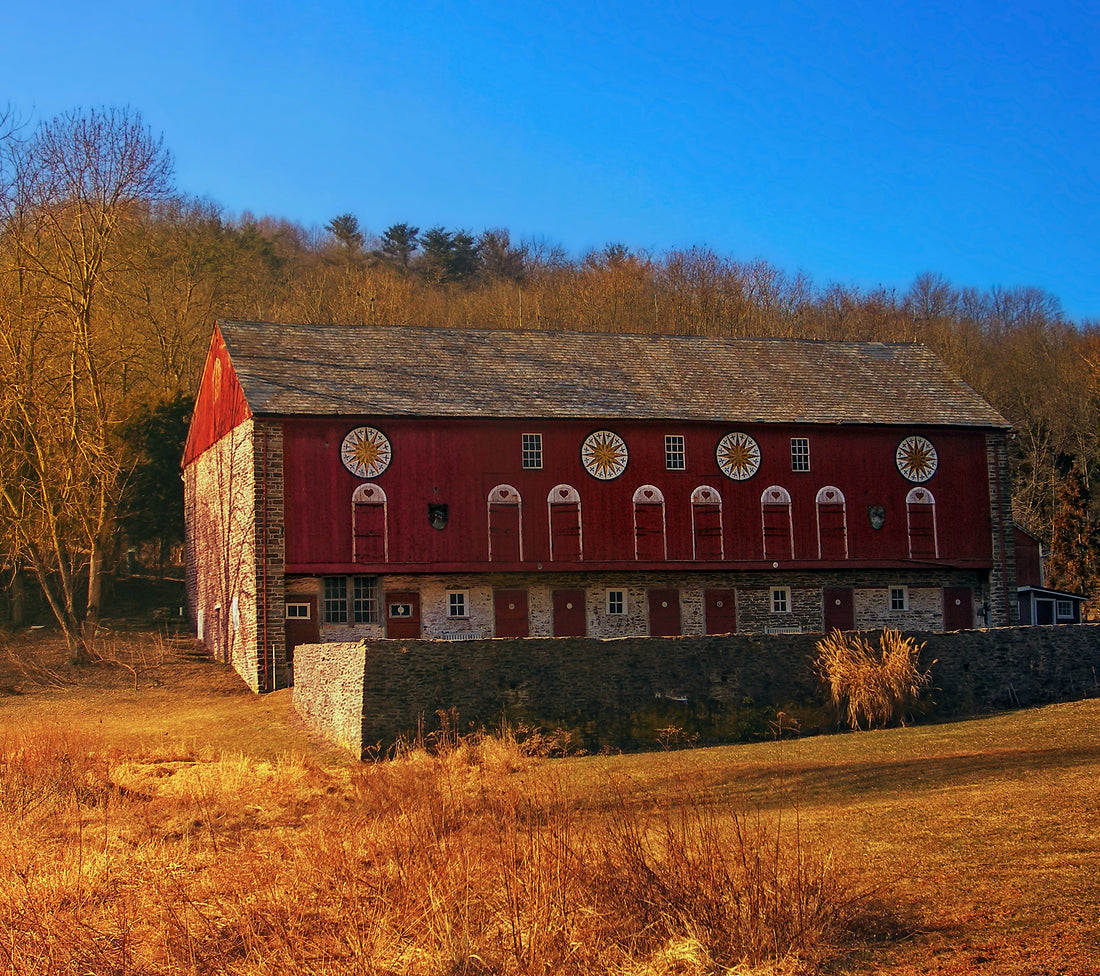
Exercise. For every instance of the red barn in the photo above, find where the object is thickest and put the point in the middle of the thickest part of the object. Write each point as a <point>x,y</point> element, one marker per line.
<point>345,482</point>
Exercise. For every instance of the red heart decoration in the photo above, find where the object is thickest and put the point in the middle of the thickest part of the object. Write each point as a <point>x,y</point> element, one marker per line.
<point>830,495</point>
<point>564,492</point>
<point>503,492</point>
<point>705,494</point>
<point>369,493</point>
<point>648,494</point>
<point>775,494</point>
<point>920,496</point>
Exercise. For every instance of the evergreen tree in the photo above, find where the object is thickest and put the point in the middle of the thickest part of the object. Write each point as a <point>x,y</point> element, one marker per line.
<point>400,242</point>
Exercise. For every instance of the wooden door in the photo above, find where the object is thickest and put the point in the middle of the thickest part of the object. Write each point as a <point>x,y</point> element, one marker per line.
<point>570,619</point>
<point>302,625</point>
<point>839,607</point>
<point>958,608</point>
<point>403,615</point>
<point>721,611</point>
<point>504,533</point>
<point>664,613</point>
<point>510,610</point>
<point>649,533</point>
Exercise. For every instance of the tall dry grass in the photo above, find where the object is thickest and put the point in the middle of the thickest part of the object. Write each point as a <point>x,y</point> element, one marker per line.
<point>872,686</point>
<point>470,859</point>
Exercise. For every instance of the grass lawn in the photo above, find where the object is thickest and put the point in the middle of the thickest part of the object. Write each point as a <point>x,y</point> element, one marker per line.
<point>976,843</point>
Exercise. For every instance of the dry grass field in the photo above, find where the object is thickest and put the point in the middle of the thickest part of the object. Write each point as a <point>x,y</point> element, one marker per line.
<point>156,817</point>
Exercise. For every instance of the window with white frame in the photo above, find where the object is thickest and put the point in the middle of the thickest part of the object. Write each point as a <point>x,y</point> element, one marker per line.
<point>800,454</point>
<point>675,456</point>
<point>458,603</point>
<point>616,602</point>
<point>532,451</point>
<point>1064,609</point>
<point>297,611</point>
<point>781,599</point>
<point>899,598</point>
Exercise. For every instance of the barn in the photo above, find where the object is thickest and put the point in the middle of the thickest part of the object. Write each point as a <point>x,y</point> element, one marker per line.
<point>351,482</point>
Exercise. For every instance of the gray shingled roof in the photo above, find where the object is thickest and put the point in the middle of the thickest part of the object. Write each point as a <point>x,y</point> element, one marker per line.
<point>318,370</point>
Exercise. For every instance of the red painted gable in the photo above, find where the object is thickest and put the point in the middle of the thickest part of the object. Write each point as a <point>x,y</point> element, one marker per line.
<point>220,404</point>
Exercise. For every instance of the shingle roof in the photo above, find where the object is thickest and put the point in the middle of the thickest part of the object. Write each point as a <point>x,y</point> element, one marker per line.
<point>318,370</point>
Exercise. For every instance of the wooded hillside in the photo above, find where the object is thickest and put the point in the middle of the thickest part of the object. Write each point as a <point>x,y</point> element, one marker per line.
<point>111,279</point>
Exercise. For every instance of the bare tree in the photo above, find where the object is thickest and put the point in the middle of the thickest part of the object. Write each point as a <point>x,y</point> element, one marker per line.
<point>76,186</point>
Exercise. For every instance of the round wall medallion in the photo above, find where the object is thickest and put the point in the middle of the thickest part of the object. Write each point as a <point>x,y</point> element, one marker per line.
<point>366,452</point>
<point>604,455</point>
<point>738,456</point>
<point>917,459</point>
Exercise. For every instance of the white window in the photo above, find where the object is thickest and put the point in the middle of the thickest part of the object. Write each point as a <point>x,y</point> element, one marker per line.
<point>899,598</point>
<point>1064,609</point>
<point>781,599</point>
<point>532,451</point>
<point>458,603</point>
<point>297,611</point>
<point>800,454</point>
<point>616,602</point>
<point>675,457</point>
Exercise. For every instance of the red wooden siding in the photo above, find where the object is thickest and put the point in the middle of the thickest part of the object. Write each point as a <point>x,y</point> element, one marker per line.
<point>458,463</point>
<point>219,405</point>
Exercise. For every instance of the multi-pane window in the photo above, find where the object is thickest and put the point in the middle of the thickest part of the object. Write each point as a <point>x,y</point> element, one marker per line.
<point>457,603</point>
<point>781,599</point>
<point>616,602</point>
<point>800,454</point>
<point>297,611</point>
<point>336,600</point>
<point>359,594</point>
<point>899,598</point>
<point>364,600</point>
<point>675,458</point>
<point>1064,609</point>
<point>532,451</point>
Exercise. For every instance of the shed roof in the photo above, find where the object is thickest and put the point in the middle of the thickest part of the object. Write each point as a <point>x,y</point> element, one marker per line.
<point>320,370</point>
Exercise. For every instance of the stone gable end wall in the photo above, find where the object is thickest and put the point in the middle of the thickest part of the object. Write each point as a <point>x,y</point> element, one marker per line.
<point>219,497</point>
<point>370,693</point>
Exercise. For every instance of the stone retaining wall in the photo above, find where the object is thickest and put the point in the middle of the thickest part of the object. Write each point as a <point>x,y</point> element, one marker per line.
<point>620,693</point>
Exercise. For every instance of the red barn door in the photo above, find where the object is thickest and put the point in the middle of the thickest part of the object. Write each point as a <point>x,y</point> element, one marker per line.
<point>840,611</point>
<point>958,608</point>
<point>569,615</point>
<point>721,611</point>
<point>664,613</point>
<point>510,608</point>
<point>403,615</point>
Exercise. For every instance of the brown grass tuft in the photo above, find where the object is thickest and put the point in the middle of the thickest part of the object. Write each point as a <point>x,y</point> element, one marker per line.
<point>872,686</point>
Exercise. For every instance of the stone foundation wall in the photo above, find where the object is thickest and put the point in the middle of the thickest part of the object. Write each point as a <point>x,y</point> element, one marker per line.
<point>617,692</point>
<point>871,594</point>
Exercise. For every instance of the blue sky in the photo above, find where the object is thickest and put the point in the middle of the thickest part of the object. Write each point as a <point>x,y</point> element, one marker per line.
<point>859,143</point>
